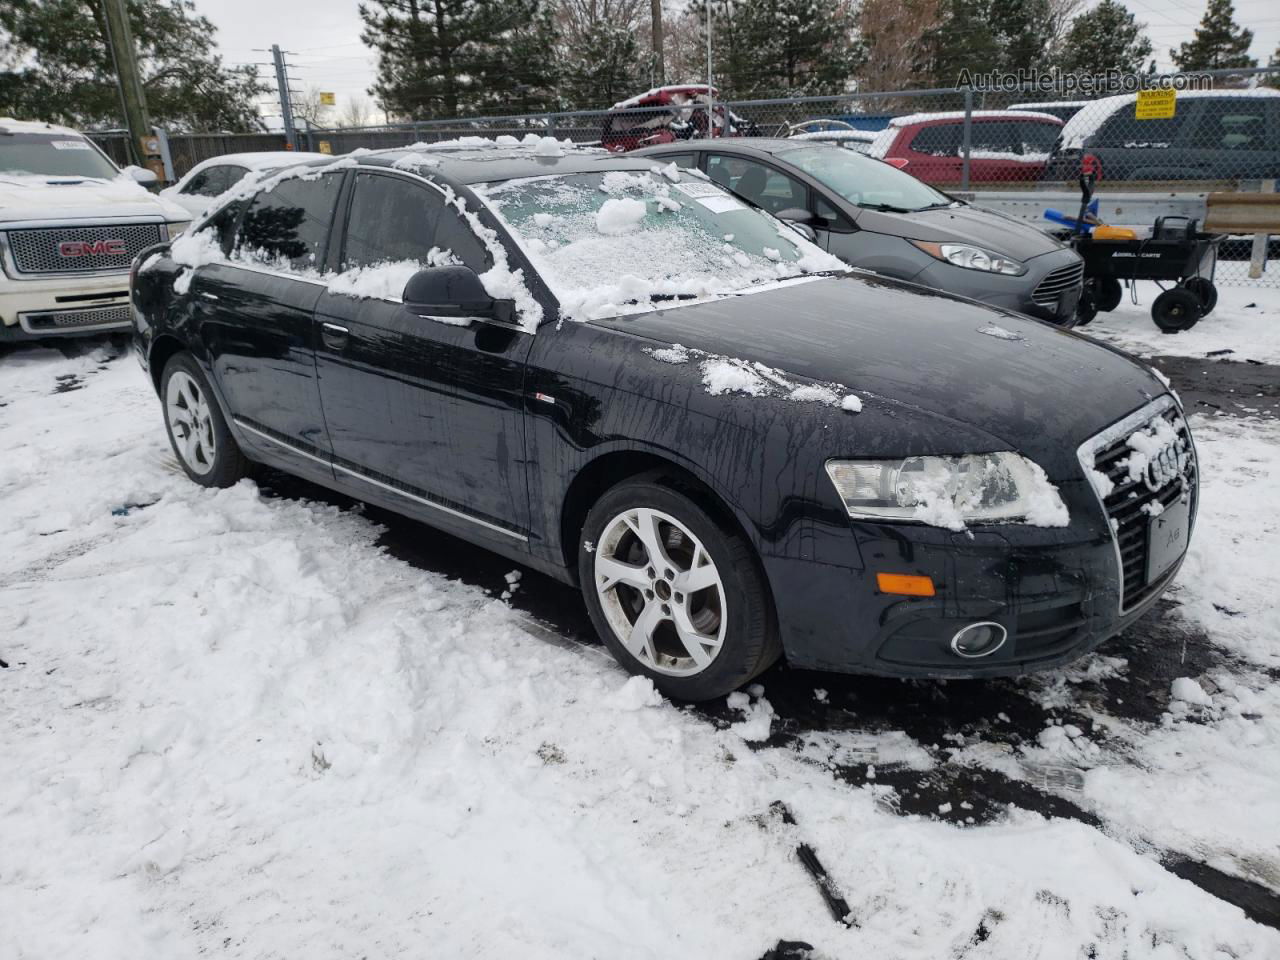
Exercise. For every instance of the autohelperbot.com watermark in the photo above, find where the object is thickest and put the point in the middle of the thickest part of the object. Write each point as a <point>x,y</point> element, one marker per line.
<point>1033,80</point>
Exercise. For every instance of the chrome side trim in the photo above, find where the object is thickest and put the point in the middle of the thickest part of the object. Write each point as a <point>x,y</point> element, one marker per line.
<point>379,484</point>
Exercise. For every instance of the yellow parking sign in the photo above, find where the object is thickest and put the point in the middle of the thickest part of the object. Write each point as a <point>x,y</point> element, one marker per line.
<point>1155,104</point>
<point>327,99</point>
<point>325,146</point>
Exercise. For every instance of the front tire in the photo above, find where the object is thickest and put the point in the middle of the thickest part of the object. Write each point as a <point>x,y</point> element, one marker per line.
<point>1175,310</point>
<point>675,595</point>
<point>197,431</point>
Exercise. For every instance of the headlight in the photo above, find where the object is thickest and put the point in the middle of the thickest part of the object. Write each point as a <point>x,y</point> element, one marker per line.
<point>949,491</point>
<point>971,257</point>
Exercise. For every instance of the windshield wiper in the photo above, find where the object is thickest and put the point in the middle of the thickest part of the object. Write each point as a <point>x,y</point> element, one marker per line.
<point>885,208</point>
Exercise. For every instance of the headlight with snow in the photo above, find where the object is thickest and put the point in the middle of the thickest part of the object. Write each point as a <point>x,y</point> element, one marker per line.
<point>949,491</point>
<point>971,257</point>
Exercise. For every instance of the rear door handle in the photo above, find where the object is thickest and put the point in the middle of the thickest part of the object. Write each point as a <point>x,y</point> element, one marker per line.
<point>334,336</point>
<point>208,296</point>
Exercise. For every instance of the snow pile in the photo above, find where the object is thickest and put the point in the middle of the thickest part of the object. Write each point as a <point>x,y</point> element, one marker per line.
<point>630,241</point>
<point>235,724</point>
<point>1148,443</point>
<point>548,147</point>
<point>757,722</point>
<point>191,250</point>
<point>940,502</point>
<point>721,375</point>
<point>385,281</point>
<point>1188,690</point>
<point>999,332</point>
<point>619,216</point>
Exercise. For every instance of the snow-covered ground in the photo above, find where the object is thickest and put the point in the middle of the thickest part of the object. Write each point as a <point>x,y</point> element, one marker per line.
<point>234,725</point>
<point>1246,321</point>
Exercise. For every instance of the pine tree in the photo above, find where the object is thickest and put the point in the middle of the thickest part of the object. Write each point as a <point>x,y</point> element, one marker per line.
<point>1218,42</point>
<point>599,47</point>
<point>1273,79</point>
<point>1104,38</point>
<point>776,48</point>
<point>62,69</point>
<point>989,36</point>
<point>445,58</point>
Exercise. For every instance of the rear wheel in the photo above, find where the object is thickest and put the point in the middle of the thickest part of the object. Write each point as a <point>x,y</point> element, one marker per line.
<point>1176,310</point>
<point>1108,294</point>
<point>197,431</point>
<point>675,596</point>
<point>1205,292</point>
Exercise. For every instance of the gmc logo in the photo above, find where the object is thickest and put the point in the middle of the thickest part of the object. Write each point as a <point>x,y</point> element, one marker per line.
<point>95,248</point>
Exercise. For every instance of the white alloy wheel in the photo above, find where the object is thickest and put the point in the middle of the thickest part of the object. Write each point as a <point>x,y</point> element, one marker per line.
<point>191,422</point>
<point>660,592</point>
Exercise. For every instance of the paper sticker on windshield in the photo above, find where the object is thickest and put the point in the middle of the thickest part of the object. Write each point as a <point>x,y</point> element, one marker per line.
<point>697,190</point>
<point>720,204</point>
<point>70,145</point>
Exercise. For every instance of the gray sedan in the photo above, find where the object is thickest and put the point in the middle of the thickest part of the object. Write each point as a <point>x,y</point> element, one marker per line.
<point>874,216</point>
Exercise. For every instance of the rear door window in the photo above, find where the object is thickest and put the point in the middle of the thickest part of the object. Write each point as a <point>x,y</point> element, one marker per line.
<point>288,226</point>
<point>764,186</point>
<point>939,140</point>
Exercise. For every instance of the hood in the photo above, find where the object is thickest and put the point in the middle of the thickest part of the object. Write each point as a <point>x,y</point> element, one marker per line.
<point>59,198</point>
<point>964,224</point>
<point>1031,386</point>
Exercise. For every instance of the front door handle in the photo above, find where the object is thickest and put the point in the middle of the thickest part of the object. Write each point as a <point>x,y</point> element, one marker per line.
<point>334,336</point>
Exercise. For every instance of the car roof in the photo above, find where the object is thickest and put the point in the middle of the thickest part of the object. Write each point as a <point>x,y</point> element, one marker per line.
<point>477,160</point>
<point>747,146</point>
<point>262,158</point>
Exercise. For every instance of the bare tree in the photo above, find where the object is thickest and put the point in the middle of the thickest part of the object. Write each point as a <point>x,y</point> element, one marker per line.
<point>892,30</point>
<point>356,112</point>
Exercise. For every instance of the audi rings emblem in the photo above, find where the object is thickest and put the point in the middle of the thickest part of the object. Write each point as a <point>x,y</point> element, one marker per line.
<point>1165,466</point>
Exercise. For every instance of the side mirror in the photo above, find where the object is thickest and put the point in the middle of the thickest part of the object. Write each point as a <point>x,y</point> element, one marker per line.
<point>141,175</point>
<point>799,221</point>
<point>454,291</point>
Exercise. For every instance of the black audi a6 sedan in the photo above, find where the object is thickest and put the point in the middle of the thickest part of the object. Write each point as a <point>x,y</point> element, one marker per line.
<point>623,376</point>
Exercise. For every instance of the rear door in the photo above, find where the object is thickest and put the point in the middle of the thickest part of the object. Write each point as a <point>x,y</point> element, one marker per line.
<point>258,318</point>
<point>424,414</point>
<point>933,152</point>
<point>1234,138</point>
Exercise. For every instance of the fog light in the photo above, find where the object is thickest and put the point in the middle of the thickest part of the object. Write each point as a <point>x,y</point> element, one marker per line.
<point>979,640</point>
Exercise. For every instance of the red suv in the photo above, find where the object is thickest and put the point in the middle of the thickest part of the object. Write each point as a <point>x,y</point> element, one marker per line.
<point>667,114</point>
<point>1004,145</point>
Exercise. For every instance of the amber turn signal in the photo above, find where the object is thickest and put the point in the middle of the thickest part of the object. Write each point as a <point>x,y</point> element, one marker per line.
<point>905,584</point>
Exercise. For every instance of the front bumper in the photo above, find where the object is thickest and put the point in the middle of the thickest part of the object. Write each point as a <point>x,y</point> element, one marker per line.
<point>1056,598</point>
<point>63,306</point>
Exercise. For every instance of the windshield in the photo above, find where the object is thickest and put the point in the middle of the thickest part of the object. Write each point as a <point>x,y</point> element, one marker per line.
<point>864,181</point>
<point>624,241</point>
<point>53,155</point>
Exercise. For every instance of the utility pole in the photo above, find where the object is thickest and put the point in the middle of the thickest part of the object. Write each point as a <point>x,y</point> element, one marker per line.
<point>659,64</point>
<point>132,95</point>
<point>286,103</point>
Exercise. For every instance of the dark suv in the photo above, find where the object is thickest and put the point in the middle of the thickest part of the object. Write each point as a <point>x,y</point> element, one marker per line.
<point>1213,135</point>
<point>624,377</point>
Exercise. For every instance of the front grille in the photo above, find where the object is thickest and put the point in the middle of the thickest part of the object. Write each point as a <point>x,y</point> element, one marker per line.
<point>91,249</point>
<point>1055,282</point>
<point>1125,503</point>
<point>74,319</point>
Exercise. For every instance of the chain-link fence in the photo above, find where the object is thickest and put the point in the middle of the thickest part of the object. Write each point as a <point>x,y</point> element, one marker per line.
<point>1221,132</point>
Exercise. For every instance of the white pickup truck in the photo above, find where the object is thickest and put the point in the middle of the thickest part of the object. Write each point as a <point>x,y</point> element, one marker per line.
<point>71,223</point>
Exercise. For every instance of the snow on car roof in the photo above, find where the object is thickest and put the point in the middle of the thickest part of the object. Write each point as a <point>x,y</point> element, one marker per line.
<point>638,100</point>
<point>865,136</point>
<point>1049,103</point>
<point>976,114</point>
<point>1088,121</point>
<point>35,126</point>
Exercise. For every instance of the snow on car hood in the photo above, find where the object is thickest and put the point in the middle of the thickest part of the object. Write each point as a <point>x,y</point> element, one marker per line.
<point>48,198</point>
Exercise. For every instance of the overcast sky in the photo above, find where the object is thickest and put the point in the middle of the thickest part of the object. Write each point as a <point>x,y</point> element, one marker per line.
<point>324,36</point>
